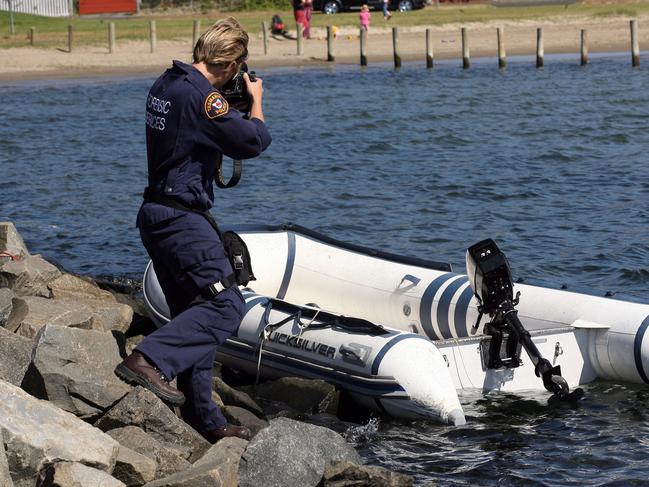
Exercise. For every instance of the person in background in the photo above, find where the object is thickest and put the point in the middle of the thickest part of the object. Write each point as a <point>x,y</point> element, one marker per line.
<point>365,17</point>
<point>299,12</point>
<point>189,125</point>
<point>308,12</point>
<point>386,13</point>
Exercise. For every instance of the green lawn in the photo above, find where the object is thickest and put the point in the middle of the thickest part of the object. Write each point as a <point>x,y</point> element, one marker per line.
<point>52,32</point>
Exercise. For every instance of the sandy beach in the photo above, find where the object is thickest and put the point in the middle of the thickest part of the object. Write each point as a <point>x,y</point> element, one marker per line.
<point>134,57</point>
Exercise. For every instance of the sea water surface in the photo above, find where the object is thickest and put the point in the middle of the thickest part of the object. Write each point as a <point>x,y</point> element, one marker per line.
<point>551,163</point>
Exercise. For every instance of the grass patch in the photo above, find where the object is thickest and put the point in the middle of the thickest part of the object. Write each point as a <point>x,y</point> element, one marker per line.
<point>52,32</point>
<point>618,12</point>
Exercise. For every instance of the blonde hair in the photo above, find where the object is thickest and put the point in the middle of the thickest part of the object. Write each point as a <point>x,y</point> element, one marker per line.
<point>222,43</point>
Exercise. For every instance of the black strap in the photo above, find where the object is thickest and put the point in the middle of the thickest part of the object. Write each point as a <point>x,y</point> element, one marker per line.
<point>325,318</point>
<point>236,173</point>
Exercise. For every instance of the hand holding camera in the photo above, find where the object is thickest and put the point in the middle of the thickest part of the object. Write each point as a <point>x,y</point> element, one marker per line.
<point>244,92</point>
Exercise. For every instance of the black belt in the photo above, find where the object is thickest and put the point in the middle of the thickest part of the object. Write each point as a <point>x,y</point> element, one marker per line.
<point>211,290</point>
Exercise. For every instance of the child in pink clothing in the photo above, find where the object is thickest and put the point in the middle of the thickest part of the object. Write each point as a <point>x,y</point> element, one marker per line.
<point>365,17</point>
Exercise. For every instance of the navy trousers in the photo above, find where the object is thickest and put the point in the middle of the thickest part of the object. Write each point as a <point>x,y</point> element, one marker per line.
<point>187,255</point>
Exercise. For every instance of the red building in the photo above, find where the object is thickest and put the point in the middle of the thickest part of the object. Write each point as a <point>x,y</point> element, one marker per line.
<point>107,6</point>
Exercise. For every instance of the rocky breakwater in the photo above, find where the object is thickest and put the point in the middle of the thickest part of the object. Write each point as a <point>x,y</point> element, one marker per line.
<point>66,420</point>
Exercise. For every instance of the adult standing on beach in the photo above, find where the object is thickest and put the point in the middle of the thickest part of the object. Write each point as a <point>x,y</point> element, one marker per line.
<point>386,13</point>
<point>308,13</point>
<point>299,13</point>
<point>189,124</point>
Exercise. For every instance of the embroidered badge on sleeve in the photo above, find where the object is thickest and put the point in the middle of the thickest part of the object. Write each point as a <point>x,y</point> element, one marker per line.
<point>215,105</point>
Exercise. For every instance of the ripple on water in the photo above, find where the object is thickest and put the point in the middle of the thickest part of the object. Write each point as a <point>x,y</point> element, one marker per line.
<point>551,163</point>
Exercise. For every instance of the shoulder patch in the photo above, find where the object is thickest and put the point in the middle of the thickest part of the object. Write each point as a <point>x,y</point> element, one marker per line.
<point>215,105</point>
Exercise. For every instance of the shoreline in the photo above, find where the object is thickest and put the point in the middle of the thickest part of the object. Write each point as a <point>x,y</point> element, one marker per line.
<point>134,59</point>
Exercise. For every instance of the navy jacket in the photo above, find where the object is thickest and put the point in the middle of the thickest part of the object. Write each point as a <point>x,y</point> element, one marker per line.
<point>188,125</point>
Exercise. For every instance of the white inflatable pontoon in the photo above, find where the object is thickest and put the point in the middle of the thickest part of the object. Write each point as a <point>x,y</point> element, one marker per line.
<point>307,316</point>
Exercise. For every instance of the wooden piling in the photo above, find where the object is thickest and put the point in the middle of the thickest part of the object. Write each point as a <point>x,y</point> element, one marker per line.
<point>32,36</point>
<point>300,39</point>
<point>70,37</point>
<point>111,37</point>
<point>584,47</point>
<point>363,38</point>
<point>466,58</point>
<point>395,47</point>
<point>502,55</point>
<point>539,47</point>
<point>330,44</point>
<point>264,32</point>
<point>635,44</point>
<point>153,36</point>
<point>429,48</point>
<point>196,32</point>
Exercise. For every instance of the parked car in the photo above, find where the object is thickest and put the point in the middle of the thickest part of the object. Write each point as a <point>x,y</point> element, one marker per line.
<point>335,6</point>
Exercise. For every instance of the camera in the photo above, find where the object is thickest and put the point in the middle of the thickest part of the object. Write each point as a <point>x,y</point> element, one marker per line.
<point>234,91</point>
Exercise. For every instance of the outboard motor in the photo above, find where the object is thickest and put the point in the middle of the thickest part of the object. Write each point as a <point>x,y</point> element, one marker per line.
<point>491,280</point>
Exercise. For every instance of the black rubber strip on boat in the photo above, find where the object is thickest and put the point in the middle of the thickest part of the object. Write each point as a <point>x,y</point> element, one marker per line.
<point>445,304</point>
<point>637,349</point>
<point>426,304</point>
<point>290,262</point>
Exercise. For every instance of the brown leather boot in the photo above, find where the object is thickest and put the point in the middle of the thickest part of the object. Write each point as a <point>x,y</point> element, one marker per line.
<point>228,430</point>
<point>136,370</point>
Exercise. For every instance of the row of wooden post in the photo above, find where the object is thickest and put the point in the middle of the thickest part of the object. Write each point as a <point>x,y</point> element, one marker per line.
<point>466,57</point>
<point>153,36</point>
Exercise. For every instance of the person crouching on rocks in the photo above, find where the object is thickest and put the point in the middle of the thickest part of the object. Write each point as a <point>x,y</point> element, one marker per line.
<point>189,124</point>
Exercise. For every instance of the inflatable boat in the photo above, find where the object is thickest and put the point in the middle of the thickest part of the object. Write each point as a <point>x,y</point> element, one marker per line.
<point>404,336</point>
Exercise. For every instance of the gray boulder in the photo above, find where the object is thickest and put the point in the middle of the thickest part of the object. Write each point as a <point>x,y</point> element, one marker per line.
<point>303,395</point>
<point>110,315</point>
<point>133,468</point>
<point>6,298</point>
<point>227,450</point>
<point>67,286</point>
<point>107,312</point>
<point>233,397</point>
<point>292,454</point>
<point>143,409</point>
<point>31,313</point>
<point>243,417</point>
<point>218,467</point>
<point>76,367</point>
<point>72,474</point>
<point>15,357</point>
<point>192,477</point>
<point>167,461</point>
<point>5,478</point>
<point>225,456</point>
<point>37,433</point>
<point>348,474</point>
<point>29,276</point>
<point>11,241</point>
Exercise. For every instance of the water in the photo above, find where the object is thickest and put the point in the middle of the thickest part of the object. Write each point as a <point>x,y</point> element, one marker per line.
<point>551,163</point>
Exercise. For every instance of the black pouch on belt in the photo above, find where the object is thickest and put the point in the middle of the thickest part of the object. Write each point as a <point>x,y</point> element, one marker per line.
<point>239,257</point>
<point>235,248</point>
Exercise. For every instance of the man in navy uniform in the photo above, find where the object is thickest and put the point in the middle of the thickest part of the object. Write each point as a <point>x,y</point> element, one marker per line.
<point>189,124</point>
